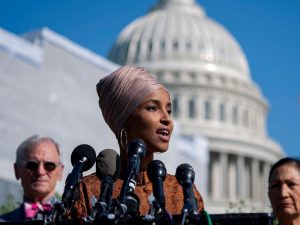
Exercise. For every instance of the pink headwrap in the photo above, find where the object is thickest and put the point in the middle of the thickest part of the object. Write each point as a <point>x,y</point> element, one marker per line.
<point>121,92</point>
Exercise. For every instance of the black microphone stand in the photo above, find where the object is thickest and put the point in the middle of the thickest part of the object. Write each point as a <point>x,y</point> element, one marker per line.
<point>185,175</point>
<point>102,206</point>
<point>56,214</point>
<point>83,158</point>
<point>157,214</point>
<point>119,210</point>
<point>128,201</point>
<point>60,209</point>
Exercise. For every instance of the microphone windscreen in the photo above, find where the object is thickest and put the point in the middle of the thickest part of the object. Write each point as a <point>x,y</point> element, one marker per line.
<point>81,151</point>
<point>138,147</point>
<point>185,173</point>
<point>156,169</point>
<point>108,163</point>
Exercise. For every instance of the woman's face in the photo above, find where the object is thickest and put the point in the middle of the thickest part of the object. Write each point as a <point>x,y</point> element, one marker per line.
<point>284,192</point>
<point>152,122</point>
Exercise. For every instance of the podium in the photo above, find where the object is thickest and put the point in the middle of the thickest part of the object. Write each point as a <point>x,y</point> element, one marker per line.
<point>242,219</point>
<point>216,219</point>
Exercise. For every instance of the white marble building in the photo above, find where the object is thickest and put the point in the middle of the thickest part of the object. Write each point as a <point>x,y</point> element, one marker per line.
<point>48,87</point>
<point>214,97</point>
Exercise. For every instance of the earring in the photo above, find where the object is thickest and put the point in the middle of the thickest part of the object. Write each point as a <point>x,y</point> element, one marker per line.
<point>123,137</point>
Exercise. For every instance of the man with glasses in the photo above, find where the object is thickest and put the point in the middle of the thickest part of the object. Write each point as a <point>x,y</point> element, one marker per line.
<point>39,168</point>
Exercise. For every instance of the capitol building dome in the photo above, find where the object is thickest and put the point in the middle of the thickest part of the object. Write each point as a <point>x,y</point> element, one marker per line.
<point>213,96</point>
<point>179,30</point>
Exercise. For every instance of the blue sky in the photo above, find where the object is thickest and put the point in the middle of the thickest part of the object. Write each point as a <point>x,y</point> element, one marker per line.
<point>267,30</point>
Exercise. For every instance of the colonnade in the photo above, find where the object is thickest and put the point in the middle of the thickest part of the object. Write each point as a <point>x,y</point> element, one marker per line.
<point>237,177</point>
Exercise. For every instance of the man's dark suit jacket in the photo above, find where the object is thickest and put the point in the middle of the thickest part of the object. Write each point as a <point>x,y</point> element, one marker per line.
<point>15,215</point>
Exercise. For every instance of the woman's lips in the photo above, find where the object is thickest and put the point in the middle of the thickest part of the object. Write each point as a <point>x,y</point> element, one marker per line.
<point>284,205</point>
<point>164,135</point>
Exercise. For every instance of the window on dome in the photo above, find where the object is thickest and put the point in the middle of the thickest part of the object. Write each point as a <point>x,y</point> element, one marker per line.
<point>176,75</point>
<point>223,81</point>
<point>150,47</point>
<point>192,109</point>
<point>175,108</point>
<point>175,45</point>
<point>207,110</point>
<point>137,51</point>
<point>149,52</point>
<point>222,112</point>
<point>193,75</point>
<point>163,45</point>
<point>208,78</point>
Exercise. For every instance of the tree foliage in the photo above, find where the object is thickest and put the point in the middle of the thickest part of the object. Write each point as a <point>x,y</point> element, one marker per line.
<point>9,205</point>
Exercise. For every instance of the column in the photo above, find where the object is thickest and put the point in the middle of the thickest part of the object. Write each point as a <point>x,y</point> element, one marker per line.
<point>232,178</point>
<point>254,181</point>
<point>265,172</point>
<point>183,104</point>
<point>224,175</point>
<point>241,176</point>
<point>215,176</point>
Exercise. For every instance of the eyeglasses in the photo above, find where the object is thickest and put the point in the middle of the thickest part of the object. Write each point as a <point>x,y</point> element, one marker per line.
<point>33,165</point>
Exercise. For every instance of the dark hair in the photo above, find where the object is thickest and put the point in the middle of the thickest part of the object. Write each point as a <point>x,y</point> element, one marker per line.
<point>283,161</point>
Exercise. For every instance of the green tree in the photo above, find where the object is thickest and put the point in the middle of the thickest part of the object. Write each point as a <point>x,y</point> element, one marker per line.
<point>9,205</point>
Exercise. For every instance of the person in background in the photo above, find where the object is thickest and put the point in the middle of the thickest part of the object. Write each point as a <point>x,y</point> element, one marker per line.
<point>284,191</point>
<point>135,106</point>
<point>39,168</point>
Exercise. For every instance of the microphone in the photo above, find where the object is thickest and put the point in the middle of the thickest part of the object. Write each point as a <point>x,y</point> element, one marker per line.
<point>136,151</point>
<point>156,172</point>
<point>108,168</point>
<point>83,158</point>
<point>185,175</point>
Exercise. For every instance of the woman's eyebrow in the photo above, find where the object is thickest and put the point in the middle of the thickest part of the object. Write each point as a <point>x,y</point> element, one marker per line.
<point>157,101</point>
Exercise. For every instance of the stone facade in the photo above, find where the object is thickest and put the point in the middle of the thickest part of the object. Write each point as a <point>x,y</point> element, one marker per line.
<point>48,87</point>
